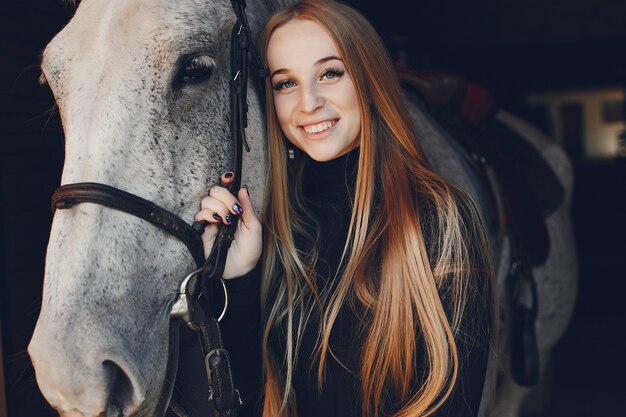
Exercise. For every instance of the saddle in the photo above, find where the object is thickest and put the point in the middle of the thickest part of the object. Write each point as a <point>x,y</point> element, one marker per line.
<point>529,188</point>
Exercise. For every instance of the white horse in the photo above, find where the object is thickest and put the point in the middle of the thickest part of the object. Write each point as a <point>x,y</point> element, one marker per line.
<point>142,90</point>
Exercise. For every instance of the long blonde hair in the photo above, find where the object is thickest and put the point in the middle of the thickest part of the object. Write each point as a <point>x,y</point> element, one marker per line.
<point>385,266</point>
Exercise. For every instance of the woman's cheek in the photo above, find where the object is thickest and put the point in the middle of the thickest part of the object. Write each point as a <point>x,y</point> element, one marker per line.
<point>284,105</point>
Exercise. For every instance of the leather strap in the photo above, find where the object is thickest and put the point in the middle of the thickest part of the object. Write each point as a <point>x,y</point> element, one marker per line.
<point>241,50</point>
<point>69,195</point>
<point>222,392</point>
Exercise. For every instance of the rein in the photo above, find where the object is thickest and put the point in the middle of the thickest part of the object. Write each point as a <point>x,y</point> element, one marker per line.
<point>192,304</point>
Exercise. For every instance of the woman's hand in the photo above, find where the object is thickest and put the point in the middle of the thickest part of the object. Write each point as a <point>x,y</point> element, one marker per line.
<point>221,206</point>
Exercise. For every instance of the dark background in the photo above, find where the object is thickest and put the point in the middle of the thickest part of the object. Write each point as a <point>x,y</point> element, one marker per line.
<point>511,47</point>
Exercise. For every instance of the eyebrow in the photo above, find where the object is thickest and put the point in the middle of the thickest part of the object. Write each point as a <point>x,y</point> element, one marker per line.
<point>318,62</point>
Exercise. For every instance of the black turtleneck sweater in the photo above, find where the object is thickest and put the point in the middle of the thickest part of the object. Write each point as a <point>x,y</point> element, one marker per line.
<point>328,192</point>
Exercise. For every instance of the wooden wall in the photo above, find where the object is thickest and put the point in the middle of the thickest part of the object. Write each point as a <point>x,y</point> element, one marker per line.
<point>31,157</point>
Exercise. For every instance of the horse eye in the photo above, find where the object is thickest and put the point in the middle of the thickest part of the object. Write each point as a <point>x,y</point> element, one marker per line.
<point>196,69</point>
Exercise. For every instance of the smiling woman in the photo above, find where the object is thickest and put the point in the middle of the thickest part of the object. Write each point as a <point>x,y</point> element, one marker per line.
<point>376,287</point>
<point>314,97</point>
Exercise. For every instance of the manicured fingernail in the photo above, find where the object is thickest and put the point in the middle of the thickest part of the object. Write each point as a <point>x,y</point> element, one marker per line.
<point>237,209</point>
<point>228,175</point>
<point>229,219</point>
<point>217,217</point>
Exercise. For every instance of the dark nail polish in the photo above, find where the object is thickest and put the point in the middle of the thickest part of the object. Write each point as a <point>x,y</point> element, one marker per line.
<point>229,219</point>
<point>217,217</point>
<point>228,174</point>
<point>237,209</point>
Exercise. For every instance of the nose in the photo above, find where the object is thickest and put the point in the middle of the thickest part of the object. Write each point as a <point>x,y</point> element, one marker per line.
<point>101,385</point>
<point>121,395</point>
<point>312,99</point>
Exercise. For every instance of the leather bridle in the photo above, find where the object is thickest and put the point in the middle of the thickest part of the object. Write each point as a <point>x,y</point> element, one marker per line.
<point>192,304</point>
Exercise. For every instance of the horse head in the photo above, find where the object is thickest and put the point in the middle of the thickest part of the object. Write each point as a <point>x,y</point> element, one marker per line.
<point>142,89</point>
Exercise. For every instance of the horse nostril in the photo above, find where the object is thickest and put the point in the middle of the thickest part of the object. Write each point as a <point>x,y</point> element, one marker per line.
<point>120,399</point>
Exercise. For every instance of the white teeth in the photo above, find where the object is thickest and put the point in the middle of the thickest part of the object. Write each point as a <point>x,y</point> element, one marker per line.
<point>320,127</point>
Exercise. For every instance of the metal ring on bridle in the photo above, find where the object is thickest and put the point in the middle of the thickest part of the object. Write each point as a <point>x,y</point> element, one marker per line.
<point>225,300</point>
<point>183,305</point>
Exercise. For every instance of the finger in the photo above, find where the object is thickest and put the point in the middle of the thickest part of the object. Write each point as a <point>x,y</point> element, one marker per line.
<point>208,215</point>
<point>218,207</point>
<point>248,216</point>
<point>227,177</point>
<point>226,198</point>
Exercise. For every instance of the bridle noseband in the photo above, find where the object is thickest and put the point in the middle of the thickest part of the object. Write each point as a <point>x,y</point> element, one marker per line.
<point>69,195</point>
<point>192,303</point>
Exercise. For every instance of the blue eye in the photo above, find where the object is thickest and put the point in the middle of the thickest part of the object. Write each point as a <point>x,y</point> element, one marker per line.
<point>283,85</point>
<point>333,73</point>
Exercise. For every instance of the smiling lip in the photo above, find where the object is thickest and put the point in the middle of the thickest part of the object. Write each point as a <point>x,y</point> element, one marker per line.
<point>321,134</point>
<point>318,124</point>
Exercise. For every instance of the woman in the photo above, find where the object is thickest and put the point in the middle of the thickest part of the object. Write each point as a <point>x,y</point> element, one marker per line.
<point>376,290</point>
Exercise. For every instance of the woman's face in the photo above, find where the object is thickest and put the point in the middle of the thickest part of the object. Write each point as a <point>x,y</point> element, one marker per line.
<point>314,97</point>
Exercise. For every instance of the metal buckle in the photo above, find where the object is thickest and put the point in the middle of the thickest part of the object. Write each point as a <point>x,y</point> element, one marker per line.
<point>207,358</point>
<point>209,373</point>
